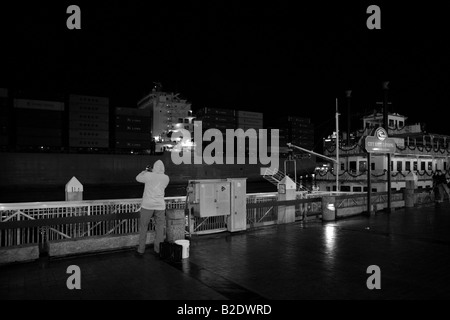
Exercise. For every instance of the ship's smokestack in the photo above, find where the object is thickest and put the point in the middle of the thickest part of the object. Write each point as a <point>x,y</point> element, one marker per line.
<point>385,105</point>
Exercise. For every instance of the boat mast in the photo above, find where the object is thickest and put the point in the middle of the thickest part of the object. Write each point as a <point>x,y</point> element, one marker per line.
<point>337,147</point>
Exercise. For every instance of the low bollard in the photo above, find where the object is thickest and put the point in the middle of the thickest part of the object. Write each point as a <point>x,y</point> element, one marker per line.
<point>409,194</point>
<point>175,224</point>
<point>328,208</point>
<point>74,190</point>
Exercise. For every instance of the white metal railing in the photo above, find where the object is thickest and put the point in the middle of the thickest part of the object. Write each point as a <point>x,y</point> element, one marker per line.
<point>255,216</point>
<point>48,210</point>
<point>262,216</point>
<point>276,176</point>
<point>303,210</point>
<point>360,199</point>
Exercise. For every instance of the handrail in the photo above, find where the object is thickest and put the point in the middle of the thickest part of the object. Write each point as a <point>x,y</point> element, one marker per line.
<point>364,194</point>
<point>82,203</point>
<point>281,203</point>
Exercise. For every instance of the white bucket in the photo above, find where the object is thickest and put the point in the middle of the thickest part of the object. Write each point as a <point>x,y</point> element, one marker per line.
<point>185,244</point>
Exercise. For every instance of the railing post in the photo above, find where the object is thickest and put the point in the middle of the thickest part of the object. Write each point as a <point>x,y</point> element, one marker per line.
<point>410,184</point>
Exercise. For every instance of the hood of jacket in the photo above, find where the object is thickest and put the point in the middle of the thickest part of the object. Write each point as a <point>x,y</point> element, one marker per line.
<point>158,167</point>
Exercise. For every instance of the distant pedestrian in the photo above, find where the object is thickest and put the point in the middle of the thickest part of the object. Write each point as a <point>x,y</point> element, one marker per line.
<point>153,204</point>
<point>442,185</point>
<point>153,146</point>
<point>435,187</point>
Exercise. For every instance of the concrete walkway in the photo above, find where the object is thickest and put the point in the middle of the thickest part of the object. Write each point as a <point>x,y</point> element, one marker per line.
<point>284,262</point>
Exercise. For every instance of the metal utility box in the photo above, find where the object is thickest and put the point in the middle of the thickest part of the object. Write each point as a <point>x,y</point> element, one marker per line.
<point>210,198</point>
<point>220,197</point>
<point>237,221</point>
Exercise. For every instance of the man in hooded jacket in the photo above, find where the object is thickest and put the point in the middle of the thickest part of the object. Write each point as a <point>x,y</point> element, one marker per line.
<point>153,204</point>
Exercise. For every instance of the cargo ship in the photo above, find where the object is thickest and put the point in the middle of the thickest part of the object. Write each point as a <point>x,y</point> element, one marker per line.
<point>44,143</point>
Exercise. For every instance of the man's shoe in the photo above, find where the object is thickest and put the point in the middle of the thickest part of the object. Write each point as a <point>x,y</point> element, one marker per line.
<point>156,254</point>
<point>138,254</point>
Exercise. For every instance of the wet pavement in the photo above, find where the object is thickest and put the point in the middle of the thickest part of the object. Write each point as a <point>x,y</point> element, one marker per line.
<point>283,262</point>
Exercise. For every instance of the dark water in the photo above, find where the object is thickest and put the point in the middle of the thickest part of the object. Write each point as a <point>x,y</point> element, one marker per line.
<point>98,192</point>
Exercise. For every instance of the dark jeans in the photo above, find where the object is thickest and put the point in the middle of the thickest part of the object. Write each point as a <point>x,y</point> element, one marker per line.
<point>160,221</point>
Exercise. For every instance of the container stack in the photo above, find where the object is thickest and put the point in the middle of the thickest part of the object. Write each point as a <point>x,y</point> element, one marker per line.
<point>4,118</point>
<point>301,132</point>
<point>283,138</point>
<point>132,129</point>
<point>88,122</point>
<point>249,120</point>
<point>296,130</point>
<point>39,123</point>
<point>215,118</point>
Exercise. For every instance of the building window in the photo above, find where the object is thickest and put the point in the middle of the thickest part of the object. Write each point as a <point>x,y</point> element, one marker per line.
<point>334,188</point>
<point>372,165</point>
<point>392,165</point>
<point>353,166</point>
<point>362,166</point>
<point>399,166</point>
<point>422,165</point>
<point>374,190</point>
<point>430,166</point>
<point>365,189</point>
<point>445,166</point>
<point>407,166</point>
<point>342,166</point>
<point>415,165</point>
<point>400,124</point>
<point>345,188</point>
<point>357,189</point>
<point>391,123</point>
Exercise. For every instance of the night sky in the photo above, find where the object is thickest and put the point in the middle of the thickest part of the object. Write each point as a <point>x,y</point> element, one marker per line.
<point>276,58</point>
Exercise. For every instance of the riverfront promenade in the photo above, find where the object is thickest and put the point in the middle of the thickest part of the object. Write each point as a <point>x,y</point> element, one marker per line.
<point>296,261</point>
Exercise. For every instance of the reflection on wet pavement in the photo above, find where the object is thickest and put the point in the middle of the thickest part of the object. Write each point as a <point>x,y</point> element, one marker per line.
<point>286,262</point>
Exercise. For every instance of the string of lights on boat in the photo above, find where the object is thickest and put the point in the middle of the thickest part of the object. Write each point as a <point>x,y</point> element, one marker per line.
<point>428,173</point>
<point>440,149</point>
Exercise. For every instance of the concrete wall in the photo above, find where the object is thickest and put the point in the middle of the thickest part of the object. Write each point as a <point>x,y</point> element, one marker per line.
<point>19,254</point>
<point>95,244</point>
